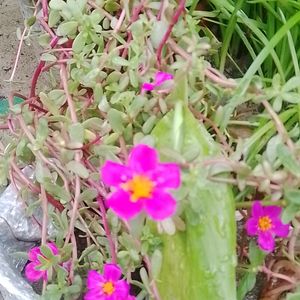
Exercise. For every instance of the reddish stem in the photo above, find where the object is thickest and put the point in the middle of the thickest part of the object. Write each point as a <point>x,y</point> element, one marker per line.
<point>107,231</point>
<point>39,69</point>
<point>46,27</point>
<point>135,15</point>
<point>159,14</point>
<point>93,142</point>
<point>45,9</point>
<point>38,108</point>
<point>174,20</point>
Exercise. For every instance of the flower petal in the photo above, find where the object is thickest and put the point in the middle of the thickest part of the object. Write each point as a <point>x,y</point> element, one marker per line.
<point>167,175</point>
<point>94,294</point>
<point>53,248</point>
<point>160,206</point>
<point>111,272</point>
<point>113,173</point>
<point>142,159</point>
<point>251,226</point>
<point>266,241</point>
<point>34,253</point>
<point>272,211</point>
<point>120,203</point>
<point>257,209</point>
<point>32,274</point>
<point>121,290</point>
<point>147,86</point>
<point>93,279</point>
<point>280,229</point>
<point>161,77</point>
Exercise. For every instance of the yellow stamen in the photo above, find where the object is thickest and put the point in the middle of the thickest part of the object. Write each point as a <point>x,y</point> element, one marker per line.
<point>139,186</point>
<point>264,223</point>
<point>108,288</point>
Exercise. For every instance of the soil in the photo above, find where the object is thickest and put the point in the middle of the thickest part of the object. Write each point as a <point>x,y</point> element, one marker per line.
<point>11,19</point>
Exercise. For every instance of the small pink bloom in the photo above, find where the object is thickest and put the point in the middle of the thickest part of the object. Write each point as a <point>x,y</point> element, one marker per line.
<point>160,78</point>
<point>31,271</point>
<point>142,185</point>
<point>107,286</point>
<point>266,223</point>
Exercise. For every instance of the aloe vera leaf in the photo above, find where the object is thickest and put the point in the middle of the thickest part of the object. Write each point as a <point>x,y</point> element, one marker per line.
<point>198,263</point>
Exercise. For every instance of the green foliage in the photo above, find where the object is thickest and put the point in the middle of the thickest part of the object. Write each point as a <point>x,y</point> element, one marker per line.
<point>247,282</point>
<point>89,108</point>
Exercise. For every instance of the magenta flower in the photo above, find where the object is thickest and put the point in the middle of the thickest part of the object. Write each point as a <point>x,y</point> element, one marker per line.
<point>266,223</point>
<point>142,185</point>
<point>107,286</point>
<point>160,78</point>
<point>32,271</point>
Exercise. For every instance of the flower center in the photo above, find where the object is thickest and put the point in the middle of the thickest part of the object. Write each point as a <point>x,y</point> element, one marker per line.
<point>264,223</point>
<point>108,288</point>
<point>139,186</point>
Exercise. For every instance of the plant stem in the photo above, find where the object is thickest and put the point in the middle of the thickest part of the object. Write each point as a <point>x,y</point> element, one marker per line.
<point>39,69</point>
<point>107,231</point>
<point>63,76</point>
<point>45,215</point>
<point>174,20</point>
<point>265,270</point>
<point>248,204</point>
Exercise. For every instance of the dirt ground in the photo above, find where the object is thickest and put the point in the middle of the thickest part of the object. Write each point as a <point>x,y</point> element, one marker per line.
<point>10,19</point>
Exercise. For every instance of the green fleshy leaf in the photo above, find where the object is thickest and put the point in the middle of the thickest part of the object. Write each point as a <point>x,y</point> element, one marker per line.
<point>246,284</point>
<point>67,28</point>
<point>57,4</point>
<point>115,119</point>
<point>256,255</point>
<point>78,169</point>
<point>202,258</point>
<point>57,191</point>
<point>288,160</point>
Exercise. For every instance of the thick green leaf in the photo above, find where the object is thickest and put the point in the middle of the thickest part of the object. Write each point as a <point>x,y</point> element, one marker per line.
<point>289,212</point>
<point>119,61</point>
<point>288,160</point>
<point>158,31</point>
<point>48,57</point>
<point>294,296</point>
<point>115,119</point>
<point>246,284</point>
<point>57,4</point>
<point>256,255</point>
<point>79,42</point>
<point>76,132</point>
<point>67,28</point>
<point>292,196</point>
<point>42,131</point>
<point>57,191</point>
<point>78,169</point>
<point>198,263</point>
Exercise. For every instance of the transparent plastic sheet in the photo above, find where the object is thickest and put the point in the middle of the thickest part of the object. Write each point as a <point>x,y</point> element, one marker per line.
<point>12,285</point>
<point>18,233</point>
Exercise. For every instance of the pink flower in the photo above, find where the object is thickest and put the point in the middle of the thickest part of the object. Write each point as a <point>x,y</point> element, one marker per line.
<point>160,78</point>
<point>142,185</point>
<point>265,222</point>
<point>32,271</point>
<point>107,286</point>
